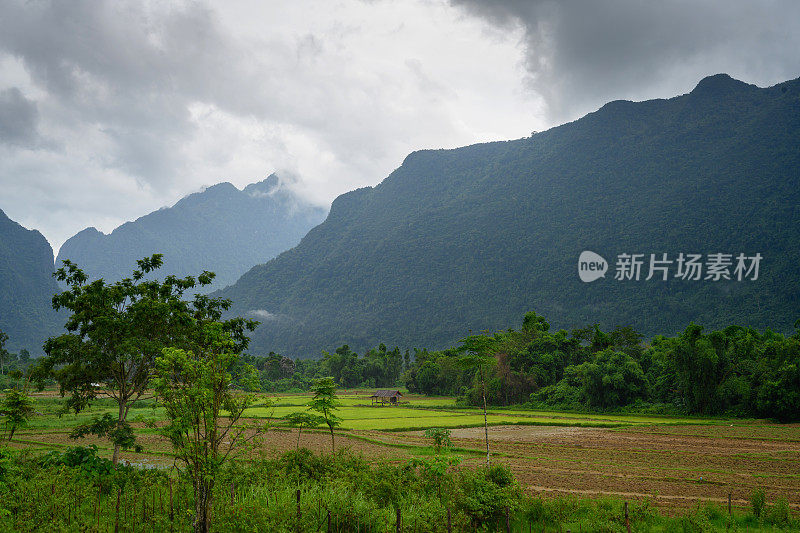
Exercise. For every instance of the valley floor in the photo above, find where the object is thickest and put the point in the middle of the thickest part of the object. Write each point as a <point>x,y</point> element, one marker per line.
<point>675,463</point>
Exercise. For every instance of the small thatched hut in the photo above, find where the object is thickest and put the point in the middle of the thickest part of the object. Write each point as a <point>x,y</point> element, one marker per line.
<point>383,396</point>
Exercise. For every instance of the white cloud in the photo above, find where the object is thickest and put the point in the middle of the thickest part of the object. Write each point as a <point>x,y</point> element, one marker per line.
<point>262,314</point>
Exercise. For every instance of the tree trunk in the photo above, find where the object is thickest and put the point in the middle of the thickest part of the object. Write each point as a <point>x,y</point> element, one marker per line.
<point>485,423</point>
<point>204,489</point>
<point>115,457</point>
<point>333,445</point>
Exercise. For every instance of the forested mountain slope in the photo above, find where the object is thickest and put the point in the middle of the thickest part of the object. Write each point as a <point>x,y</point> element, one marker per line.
<point>472,238</point>
<point>26,287</point>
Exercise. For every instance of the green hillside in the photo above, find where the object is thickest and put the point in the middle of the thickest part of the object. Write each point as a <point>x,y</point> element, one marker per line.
<point>472,238</point>
<point>221,229</point>
<point>26,287</point>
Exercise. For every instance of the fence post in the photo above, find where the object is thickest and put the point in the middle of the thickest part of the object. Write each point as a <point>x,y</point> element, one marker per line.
<point>627,521</point>
<point>508,520</point>
<point>449,522</point>
<point>399,520</point>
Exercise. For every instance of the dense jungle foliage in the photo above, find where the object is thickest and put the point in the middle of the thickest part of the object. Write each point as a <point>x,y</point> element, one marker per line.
<point>735,371</point>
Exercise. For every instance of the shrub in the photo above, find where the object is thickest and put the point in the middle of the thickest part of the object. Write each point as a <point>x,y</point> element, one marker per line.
<point>83,457</point>
<point>778,514</point>
<point>500,475</point>
<point>303,465</point>
<point>484,494</point>
<point>440,437</point>
<point>696,522</point>
<point>757,501</point>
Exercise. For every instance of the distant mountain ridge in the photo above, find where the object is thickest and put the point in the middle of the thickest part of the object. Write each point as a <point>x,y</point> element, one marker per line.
<point>221,229</point>
<point>26,287</point>
<point>472,238</point>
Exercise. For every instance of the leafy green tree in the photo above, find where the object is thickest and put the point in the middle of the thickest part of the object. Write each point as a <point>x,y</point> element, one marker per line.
<point>698,368</point>
<point>16,407</point>
<point>203,411</point>
<point>324,402</point>
<point>779,395</point>
<point>303,419</point>
<point>613,379</point>
<point>484,494</point>
<point>116,332</point>
<point>108,426</point>
<point>428,377</point>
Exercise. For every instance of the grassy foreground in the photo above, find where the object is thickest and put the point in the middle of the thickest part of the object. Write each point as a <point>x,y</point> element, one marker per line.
<point>75,490</point>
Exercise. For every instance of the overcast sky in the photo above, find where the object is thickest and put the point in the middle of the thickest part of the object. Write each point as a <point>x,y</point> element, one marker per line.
<point>110,110</point>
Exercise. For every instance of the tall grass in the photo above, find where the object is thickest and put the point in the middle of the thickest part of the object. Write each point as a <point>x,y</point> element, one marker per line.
<point>77,491</point>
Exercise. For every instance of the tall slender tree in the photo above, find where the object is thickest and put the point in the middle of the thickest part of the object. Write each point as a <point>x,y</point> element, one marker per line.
<point>302,419</point>
<point>477,354</point>
<point>204,412</point>
<point>324,402</point>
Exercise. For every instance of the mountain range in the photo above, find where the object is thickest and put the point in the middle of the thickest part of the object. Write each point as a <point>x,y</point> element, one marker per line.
<point>468,239</point>
<point>221,229</point>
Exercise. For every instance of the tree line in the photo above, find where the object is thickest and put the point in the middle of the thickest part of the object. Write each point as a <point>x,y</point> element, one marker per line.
<point>377,367</point>
<point>735,371</point>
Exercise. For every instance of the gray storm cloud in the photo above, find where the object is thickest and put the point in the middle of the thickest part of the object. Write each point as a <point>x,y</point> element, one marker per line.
<point>18,119</point>
<point>581,54</point>
<point>121,67</point>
